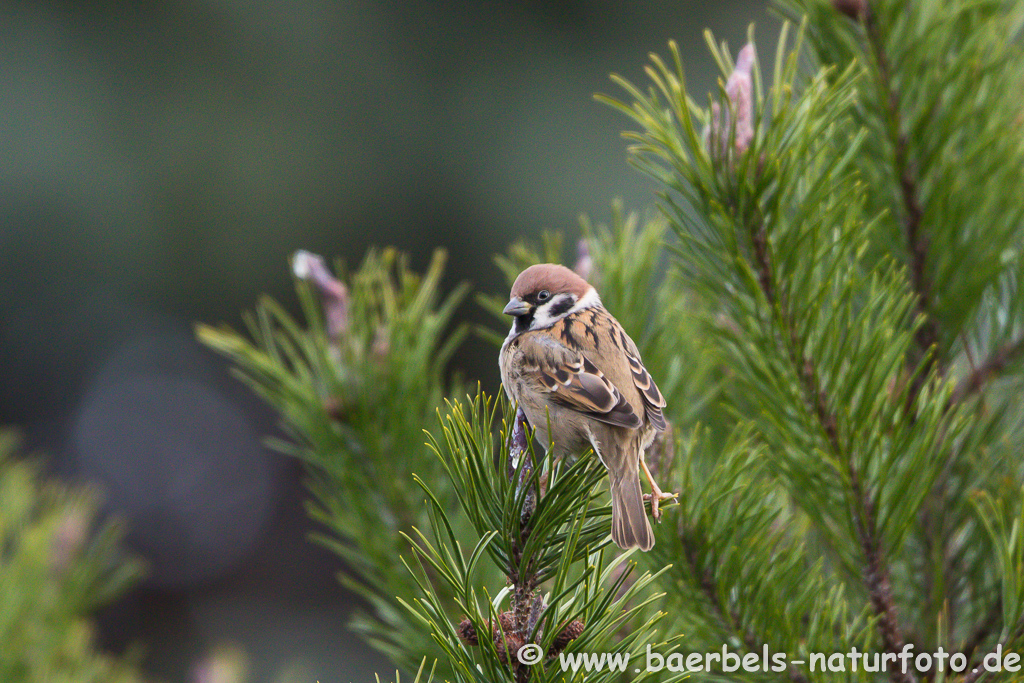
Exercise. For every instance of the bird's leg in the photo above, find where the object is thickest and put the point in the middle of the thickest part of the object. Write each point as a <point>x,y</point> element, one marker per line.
<point>543,481</point>
<point>656,495</point>
<point>519,448</point>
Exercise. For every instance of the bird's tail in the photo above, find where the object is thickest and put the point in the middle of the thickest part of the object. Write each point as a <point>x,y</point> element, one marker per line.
<point>629,518</point>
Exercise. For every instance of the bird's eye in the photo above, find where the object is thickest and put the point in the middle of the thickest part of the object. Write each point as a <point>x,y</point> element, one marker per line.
<point>543,295</point>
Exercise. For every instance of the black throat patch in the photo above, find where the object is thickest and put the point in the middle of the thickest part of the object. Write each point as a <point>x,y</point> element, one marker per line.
<point>523,322</point>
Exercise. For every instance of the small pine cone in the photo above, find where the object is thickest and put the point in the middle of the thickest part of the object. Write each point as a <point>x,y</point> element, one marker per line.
<point>510,643</point>
<point>467,632</point>
<point>505,624</point>
<point>335,408</point>
<point>855,9</point>
<point>569,633</point>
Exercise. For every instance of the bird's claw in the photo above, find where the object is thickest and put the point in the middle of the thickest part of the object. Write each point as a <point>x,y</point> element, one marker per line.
<point>656,499</point>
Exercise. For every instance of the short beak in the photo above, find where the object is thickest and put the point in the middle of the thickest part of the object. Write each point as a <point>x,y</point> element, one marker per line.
<point>516,306</point>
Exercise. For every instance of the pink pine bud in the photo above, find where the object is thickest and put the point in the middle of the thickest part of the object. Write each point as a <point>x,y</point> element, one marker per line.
<point>381,345</point>
<point>739,88</point>
<point>519,442</point>
<point>72,533</point>
<point>333,293</point>
<point>584,262</point>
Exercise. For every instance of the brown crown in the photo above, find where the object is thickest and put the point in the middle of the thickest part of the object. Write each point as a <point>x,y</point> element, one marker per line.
<point>550,276</point>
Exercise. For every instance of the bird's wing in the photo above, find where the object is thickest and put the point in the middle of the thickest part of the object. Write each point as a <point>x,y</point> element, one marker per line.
<point>569,378</point>
<point>654,401</point>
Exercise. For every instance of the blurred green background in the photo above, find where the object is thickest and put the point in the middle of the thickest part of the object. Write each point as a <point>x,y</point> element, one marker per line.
<point>160,161</point>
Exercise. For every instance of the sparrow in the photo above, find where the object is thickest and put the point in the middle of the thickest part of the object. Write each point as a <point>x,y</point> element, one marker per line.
<point>571,368</point>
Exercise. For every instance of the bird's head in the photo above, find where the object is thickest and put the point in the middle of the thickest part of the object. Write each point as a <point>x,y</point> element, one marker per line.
<point>544,293</point>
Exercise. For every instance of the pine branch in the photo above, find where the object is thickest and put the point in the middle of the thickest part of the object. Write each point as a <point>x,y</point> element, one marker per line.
<point>355,379</point>
<point>740,194</point>
<point>989,368</point>
<point>759,238</point>
<point>876,574</point>
<point>59,561</point>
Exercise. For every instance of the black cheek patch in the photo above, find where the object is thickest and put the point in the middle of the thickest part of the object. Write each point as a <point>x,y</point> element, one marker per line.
<point>561,307</point>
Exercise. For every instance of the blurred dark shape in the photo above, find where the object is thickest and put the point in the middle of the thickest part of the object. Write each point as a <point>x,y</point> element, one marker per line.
<point>179,459</point>
<point>855,9</point>
<point>56,312</point>
<point>223,665</point>
<point>302,640</point>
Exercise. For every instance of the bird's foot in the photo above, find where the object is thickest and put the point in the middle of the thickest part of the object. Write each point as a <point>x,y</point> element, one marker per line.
<point>656,497</point>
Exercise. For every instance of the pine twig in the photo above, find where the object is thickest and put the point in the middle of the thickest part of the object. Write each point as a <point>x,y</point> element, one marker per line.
<point>989,368</point>
<point>526,604</point>
<point>729,618</point>
<point>977,671</point>
<point>876,576</point>
<point>983,629</point>
<point>927,336</point>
